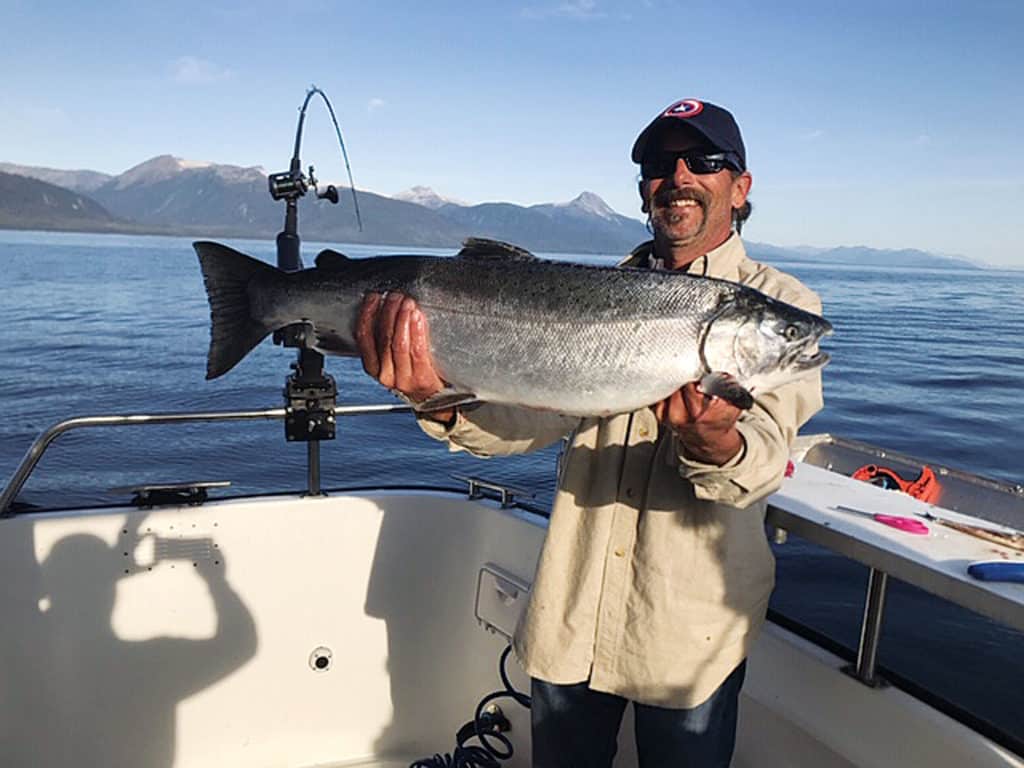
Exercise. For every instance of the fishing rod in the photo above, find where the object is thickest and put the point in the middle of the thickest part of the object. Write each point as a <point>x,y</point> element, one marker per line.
<point>292,184</point>
<point>310,393</point>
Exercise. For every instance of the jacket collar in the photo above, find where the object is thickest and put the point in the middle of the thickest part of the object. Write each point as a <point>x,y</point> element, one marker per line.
<point>721,262</point>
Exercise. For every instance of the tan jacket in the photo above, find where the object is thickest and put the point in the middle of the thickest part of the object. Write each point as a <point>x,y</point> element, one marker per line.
<point>655,574</point>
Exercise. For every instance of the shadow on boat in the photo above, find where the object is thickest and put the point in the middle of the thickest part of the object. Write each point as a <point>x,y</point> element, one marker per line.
<point>60,612</point>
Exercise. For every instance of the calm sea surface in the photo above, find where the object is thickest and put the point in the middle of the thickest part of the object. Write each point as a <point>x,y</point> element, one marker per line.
<point>925,362</point>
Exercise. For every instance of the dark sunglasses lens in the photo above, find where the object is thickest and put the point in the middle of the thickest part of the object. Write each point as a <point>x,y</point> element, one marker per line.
<point>705,163</point>
<point>658,167</point>
<point>661,166</point>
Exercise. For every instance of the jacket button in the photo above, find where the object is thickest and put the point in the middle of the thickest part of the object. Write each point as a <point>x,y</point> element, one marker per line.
<point>619,552</point>
<point>644,432</point>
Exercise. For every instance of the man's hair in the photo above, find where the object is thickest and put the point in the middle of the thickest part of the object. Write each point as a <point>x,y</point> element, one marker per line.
<point>741,214</point>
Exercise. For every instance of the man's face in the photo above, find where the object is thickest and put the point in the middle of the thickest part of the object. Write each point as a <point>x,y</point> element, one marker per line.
<point>690,210</point>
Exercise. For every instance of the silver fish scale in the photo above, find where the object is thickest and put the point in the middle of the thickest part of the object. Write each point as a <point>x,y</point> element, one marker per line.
<point>564,337</point>
<point>571,367</point>
<point>563,290</point>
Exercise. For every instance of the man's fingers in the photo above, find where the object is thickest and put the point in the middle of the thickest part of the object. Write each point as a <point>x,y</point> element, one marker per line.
<point>392,337</point>
<point>401,347</point>
<point>385,333</point>
<point>696,402</point>
<point>424,374</point>
<point>659,409</point>
<point>365,338</point>
<point>709,409</point>
<point>672,410</point>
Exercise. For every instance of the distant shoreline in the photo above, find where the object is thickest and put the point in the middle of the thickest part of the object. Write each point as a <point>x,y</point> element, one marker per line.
<point>774,254</point>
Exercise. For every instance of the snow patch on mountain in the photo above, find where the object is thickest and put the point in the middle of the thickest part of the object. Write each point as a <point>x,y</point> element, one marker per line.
<point>79,181</point>
<point>164,167</point>
<point>426,197</point>
<point>588,202</point>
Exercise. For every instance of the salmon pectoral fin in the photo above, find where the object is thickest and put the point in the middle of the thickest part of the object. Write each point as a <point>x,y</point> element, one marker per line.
<point>446,398</point>
<point>233,330</point>
<point>332,343</point>
<point>723,385</point>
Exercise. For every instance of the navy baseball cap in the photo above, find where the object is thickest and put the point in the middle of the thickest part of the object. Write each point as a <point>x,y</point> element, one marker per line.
<point>714,123</point>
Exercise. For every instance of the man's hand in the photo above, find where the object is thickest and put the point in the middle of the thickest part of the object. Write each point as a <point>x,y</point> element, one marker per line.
<point>704,424</point>
<point>392,336</point>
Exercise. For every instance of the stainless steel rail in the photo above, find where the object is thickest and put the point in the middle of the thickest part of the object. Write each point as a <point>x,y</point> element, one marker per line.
<point>871,629</point>
<point>506,493</point>
<point>41,443</point>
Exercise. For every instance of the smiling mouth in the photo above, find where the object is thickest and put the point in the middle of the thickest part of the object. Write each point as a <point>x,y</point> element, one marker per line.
<point>679,198</point>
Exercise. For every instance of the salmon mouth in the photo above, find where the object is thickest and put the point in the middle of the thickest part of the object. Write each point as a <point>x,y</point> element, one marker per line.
<point>811,362</point>
<point>800,358</point>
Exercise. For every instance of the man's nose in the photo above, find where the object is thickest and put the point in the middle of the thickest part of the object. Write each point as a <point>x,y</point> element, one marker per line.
<point>682,173</point>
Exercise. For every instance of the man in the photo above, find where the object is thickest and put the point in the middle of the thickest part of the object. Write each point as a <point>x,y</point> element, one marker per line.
<point>655,573</point>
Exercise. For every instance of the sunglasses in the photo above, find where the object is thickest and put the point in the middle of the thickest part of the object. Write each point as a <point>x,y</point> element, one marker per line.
<point>662,164</point>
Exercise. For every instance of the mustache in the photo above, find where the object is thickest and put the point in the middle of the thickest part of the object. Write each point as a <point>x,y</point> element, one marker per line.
<point>666,197</point>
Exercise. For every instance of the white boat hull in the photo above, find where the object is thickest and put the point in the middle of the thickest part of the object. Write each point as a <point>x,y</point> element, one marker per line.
<point>207,656</point>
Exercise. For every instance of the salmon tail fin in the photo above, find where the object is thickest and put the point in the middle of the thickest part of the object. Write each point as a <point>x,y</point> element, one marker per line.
<point>233,329</point>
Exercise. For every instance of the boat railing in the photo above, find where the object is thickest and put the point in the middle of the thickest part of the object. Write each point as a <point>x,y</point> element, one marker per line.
<point>39,446</point>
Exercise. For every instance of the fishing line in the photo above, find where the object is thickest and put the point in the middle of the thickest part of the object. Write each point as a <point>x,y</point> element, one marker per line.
<point>341,142</point>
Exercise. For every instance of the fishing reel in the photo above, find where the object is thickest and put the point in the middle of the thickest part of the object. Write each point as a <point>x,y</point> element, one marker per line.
<point>293,184</point>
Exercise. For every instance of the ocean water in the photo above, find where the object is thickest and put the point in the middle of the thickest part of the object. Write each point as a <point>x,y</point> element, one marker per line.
<point>925,362</point>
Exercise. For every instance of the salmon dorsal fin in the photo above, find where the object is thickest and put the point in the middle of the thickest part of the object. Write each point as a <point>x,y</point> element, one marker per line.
<point>482,248</point>
<point>328,259</point>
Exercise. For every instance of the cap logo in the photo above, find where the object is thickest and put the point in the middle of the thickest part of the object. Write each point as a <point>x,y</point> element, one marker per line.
<point>684,108</point>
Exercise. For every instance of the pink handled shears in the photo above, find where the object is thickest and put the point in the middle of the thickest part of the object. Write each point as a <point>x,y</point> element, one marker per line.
<point>906,524</point>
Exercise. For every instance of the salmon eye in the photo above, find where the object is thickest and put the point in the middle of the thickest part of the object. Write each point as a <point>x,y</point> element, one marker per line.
<point>792,333</point>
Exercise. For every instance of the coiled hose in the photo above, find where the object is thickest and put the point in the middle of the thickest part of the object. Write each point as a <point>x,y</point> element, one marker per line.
<point>487,726</point>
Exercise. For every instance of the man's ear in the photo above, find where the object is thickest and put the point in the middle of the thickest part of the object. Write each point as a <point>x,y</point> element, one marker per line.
<point>741,188</point>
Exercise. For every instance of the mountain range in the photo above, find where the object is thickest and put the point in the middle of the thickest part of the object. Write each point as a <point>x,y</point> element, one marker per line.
<point>168,195</point>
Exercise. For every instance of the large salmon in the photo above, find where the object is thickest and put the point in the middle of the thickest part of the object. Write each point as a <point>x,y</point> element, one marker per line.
<point>507,327</point>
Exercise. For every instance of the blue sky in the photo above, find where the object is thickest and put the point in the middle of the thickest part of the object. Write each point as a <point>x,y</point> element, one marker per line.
<point>894,125</point>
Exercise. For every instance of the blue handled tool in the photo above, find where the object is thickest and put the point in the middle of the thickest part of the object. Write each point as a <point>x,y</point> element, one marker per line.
<point>998,570</point>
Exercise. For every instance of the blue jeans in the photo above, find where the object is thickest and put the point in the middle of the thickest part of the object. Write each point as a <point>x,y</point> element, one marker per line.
<point>575,727</point>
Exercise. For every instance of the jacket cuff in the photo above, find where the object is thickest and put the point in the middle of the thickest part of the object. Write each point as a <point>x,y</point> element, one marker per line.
<point>437,429</point>
<point>732,482</point>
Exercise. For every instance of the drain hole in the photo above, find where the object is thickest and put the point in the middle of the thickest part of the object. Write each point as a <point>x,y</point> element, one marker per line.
<point>320,659</point>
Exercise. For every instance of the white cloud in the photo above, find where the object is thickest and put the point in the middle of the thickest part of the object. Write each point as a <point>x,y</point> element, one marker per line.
<point>817,133</point>
<point>190,69</point>
<point>922,140</point>
<point>569,9</point>
<point>375,104</point>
